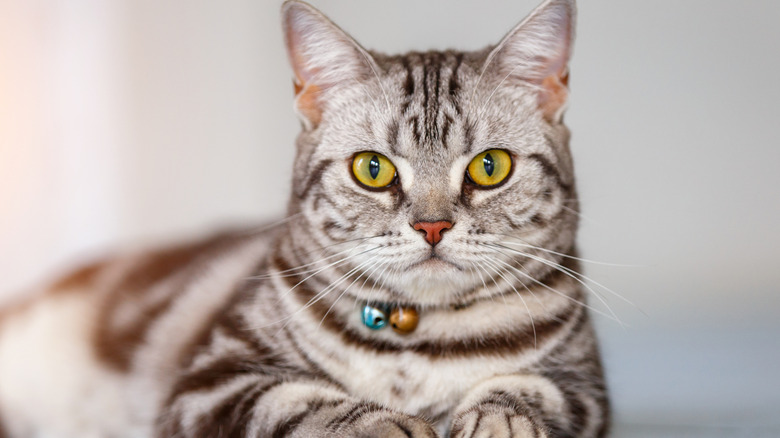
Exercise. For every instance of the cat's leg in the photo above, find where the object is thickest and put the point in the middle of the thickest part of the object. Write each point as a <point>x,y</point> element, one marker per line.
<point>237,381</point>
<point>211,402</point>
<point>530,406</point>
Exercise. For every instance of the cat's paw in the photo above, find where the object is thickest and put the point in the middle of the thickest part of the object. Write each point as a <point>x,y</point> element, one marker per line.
<point>384,423</point>
<point>405,427</point>
<point>495,421</point>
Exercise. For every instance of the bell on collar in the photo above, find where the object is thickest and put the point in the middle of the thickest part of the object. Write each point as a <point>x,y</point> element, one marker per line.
<point>404,320</point>
<point>376,316</point>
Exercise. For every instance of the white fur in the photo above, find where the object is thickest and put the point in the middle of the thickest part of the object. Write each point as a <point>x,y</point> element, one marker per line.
<point>157,363</point>
<point>291,397</point>
<point>50,383</point>
<point>405,173</point>
<point>193,405</point>
<point>377,376</point>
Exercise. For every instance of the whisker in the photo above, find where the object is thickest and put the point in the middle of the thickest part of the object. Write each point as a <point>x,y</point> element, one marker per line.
<point>484,70</point>
<point>344,292</point>
<point>522,283</point>
<point>578,214</point>
<point>373,281</point>
<point>573,272</point>
<point>528,310</point>
<point>556,291</point>
<point>482,279</point>
<point>370,63</point>
<point>336,263</point>
<point>266,227</point>
<point>487,101</point>
<point>321,294</point>
<point>298,270</point>
<point>539,248</point>
<point>321,249</point>
<point>569,273</point>
<point>383,277</point>
<point>495,283</point>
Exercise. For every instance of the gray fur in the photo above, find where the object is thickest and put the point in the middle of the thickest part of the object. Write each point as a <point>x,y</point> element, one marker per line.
<point>259,334</point>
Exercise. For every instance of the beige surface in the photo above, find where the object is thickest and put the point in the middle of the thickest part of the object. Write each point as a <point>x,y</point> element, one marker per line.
<point>687,431</point>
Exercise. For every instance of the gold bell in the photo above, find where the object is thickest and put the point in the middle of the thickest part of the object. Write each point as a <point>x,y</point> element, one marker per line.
<point>404,320</point>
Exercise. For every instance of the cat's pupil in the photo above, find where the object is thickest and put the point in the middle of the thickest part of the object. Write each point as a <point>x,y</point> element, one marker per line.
<point>373,167</point>
<point>489,164</point>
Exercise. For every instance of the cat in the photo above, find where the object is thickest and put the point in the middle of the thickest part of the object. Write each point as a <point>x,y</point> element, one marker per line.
<point>424,282</point>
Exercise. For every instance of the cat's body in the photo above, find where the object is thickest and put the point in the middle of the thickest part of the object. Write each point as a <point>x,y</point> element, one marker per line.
<point>259,333</point>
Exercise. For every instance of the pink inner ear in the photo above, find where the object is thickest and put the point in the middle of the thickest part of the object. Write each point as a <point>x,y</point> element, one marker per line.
<point>306,102</point>
<point>306,95</point>
<point>538,50</point>
<point>305,91</point>
<point>322,56</point>
<point>552,98</point>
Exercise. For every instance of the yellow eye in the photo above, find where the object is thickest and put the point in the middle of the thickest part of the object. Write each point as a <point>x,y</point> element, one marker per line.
<point>373,170</point>
<point>490,167</point>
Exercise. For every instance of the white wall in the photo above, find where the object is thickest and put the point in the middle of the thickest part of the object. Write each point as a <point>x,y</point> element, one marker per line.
<point>62,119</point>
<point>136,121</point>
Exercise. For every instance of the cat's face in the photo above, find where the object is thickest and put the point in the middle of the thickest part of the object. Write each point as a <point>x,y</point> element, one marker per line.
<point>426,121</point>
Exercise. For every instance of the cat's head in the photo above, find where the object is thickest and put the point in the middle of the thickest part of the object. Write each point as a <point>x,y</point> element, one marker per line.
<point>432,176</point>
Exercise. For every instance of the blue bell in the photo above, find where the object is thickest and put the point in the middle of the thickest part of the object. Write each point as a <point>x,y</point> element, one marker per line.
<point>375,317</point>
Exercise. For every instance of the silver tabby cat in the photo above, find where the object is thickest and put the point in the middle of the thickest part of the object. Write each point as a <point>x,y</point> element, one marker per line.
<point>434,190</point>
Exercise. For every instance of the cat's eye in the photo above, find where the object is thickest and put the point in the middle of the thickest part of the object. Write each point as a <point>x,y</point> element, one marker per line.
<point>373,170</point>
<point>490,168</point>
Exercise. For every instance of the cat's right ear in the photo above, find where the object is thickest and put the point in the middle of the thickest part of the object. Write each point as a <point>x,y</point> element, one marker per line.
<point>322,57</point>
<point>537,52</point>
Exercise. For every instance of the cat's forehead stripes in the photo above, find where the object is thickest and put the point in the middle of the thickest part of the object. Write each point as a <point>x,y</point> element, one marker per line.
<point>428,89</point>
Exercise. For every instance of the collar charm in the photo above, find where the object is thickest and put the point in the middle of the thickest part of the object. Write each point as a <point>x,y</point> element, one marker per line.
<point>402,319</point>
<point>375,316</point>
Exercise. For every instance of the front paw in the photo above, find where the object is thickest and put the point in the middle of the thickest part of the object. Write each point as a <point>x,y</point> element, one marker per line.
<point>370,421</point>
<point>495,421</point>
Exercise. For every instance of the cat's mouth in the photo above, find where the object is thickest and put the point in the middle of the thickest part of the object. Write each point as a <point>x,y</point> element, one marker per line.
<point>435,261</point>
<point>433,279</point>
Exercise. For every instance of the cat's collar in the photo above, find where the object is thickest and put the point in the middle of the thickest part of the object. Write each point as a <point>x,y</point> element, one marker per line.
<point>402,319</point>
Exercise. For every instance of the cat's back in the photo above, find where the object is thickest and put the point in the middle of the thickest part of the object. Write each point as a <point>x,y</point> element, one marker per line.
<point>102,342</point>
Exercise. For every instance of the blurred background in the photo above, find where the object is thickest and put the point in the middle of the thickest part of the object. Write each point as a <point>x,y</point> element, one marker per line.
<point>132,122</point>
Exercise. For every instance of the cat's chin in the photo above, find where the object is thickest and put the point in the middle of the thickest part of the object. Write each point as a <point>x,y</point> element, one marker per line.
<point>433,281</point>
<point>434,265</point>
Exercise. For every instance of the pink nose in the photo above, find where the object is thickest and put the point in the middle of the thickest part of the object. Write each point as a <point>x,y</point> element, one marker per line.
<point>433,230</point>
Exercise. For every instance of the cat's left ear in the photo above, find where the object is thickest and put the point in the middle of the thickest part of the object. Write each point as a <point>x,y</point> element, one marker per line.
<point>537,51</point>
<point>322,57</point>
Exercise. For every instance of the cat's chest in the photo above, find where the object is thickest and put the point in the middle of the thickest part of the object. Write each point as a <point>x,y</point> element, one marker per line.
<point>431,369</point>
<point>414,381</point>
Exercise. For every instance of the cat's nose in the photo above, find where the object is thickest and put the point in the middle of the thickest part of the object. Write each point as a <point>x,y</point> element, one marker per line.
<point>433,230</point>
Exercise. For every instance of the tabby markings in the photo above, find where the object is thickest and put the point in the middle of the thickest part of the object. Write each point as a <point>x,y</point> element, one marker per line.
<point>174,268</point>
<point>507,342</point>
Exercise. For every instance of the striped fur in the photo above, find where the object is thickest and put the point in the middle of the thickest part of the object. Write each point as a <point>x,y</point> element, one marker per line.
<point>257,332</point>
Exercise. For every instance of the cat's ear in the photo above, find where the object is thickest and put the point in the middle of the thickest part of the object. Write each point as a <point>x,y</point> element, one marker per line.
<point>537,51</point>
<point>322,57</point>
